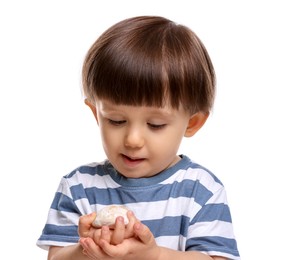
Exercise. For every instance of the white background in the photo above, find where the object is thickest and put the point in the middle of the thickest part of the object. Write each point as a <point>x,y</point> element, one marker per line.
<point>47,131</point>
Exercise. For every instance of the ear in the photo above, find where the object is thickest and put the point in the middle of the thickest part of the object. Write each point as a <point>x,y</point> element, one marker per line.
<point>92,107</point>
<point>195,123</point>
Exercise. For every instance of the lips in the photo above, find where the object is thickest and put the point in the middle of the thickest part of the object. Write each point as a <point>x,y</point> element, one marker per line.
<point>132,161</point>
<point>132,158</point>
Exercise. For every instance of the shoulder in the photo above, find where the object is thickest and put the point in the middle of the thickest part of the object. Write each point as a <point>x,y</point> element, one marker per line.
<point>94,168</point>
<point>188,170</point>
<point>96,174</point>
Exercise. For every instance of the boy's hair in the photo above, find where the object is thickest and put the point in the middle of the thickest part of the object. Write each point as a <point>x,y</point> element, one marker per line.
<point>150,61</point>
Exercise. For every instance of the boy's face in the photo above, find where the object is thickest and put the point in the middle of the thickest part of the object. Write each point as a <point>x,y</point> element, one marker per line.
<point>141,141</point>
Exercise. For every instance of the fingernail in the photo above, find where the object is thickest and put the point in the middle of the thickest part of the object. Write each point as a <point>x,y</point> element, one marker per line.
<point>130,213</point>
<point>120,219</point>
<point>137,226</point>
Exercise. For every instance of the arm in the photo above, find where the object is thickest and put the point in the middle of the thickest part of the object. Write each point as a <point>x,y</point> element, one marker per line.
<point>190,255</point>
<point>73,252</point>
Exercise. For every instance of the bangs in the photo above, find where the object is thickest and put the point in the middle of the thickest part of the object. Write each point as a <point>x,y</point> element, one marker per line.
<point>130,76</point>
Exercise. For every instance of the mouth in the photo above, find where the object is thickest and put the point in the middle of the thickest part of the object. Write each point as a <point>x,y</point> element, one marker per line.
<point>132,160</point>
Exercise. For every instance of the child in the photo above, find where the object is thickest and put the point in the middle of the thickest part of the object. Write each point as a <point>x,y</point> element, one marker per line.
<point>149,82</point>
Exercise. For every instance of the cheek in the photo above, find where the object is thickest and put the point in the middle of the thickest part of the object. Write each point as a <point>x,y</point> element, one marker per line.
<point>108,139</point>
<point>168,142</point>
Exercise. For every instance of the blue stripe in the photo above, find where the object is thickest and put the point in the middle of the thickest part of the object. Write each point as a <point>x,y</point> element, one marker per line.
<point>213,212</point>
<point>60,233</point>
<point>62,202</point>
<point>78,192</point>
<point>86,169</point>
<point>213,243</point>
<point>168,226</point>
<point>186,188</point>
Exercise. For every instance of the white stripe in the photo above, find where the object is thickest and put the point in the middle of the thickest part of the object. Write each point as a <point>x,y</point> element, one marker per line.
<point>142,210</point>
<point>44,244</point>
<point>217,253</point>
<point>84,207</point>
<point>219,197</point>
<point>88,181</point>
<point>159,209</point>
<point>199,174</point>
<point>60,218</point>
<point>215,228</point>
<point>168,241</point>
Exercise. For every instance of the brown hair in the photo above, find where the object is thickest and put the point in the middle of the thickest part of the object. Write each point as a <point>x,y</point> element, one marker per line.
<point>150,60</point>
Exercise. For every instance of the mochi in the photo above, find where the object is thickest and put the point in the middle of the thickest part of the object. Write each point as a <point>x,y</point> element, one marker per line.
<point>107,216</point>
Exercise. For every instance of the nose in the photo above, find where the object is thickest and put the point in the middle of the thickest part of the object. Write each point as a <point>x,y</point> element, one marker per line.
<point>134,138</point>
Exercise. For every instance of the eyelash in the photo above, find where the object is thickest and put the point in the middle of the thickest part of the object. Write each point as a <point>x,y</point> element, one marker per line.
<point>115,122</point>
<point>156,127</point>
<point>120,122</point>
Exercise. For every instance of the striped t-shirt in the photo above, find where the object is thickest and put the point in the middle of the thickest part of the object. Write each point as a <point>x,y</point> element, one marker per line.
<point>185,206</point>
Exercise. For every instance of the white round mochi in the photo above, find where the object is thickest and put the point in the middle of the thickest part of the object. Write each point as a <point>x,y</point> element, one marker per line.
<point>108,215</point>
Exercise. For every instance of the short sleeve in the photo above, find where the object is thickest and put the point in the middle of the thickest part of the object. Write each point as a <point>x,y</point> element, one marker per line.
<point>211,230</point>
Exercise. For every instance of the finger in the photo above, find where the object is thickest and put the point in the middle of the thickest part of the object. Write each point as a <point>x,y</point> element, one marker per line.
<point>113,251</point>
<point>84,252</point>
<point>143,233</point>
<point>91,249</point>
<point>105,234</point>
<point>119,231</point>
<point>129,232</point>
<point>85,222</point>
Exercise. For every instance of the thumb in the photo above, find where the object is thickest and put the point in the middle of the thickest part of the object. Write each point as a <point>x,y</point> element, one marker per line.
<point>143,233</point>
<point>85,222</point>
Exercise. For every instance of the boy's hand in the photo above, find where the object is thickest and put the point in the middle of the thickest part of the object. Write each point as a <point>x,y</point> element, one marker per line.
<point>85,228</point>
<point>140,246</point>
<point>113,236</point>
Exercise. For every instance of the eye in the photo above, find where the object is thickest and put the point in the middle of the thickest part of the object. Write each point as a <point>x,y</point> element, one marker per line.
<point>116,122</point>
<point>155,126</point>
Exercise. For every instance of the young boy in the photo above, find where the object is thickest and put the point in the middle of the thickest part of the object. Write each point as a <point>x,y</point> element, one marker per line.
<point>149,82</point>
